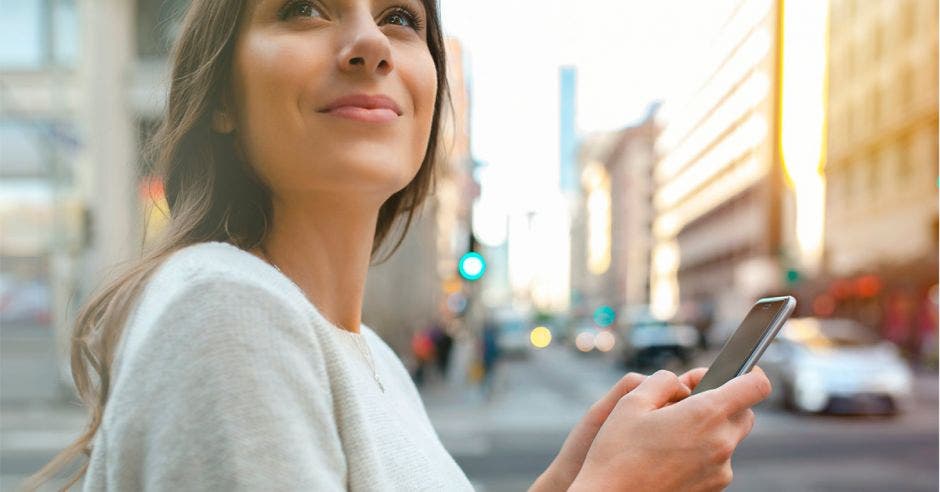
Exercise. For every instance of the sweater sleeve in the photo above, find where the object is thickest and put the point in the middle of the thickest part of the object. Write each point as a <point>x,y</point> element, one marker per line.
<point>227,390</point>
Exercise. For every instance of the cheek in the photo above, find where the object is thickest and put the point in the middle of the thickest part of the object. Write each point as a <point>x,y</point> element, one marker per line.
<point>266,79</point>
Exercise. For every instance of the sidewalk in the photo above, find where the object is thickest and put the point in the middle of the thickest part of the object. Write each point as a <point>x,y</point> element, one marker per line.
<point>529,397</point>
<point>32,434</point>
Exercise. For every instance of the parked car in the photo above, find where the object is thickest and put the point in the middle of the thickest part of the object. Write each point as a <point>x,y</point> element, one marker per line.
<point>24,301</point>
<point>651,344</point>
<point>836,366</point>
<point>513,327</point>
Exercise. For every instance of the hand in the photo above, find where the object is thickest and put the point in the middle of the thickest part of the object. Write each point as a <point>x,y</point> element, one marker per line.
<point>566,465</point>
<point>648,444</point>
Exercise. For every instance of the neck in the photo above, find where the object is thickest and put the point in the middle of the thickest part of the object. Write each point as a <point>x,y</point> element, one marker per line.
<point>324,245</point>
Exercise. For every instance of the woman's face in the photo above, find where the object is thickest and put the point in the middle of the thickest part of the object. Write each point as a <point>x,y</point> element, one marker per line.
<point>293,58</point>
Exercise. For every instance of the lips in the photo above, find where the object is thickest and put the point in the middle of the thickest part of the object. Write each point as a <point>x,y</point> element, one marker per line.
<point>352,102</point>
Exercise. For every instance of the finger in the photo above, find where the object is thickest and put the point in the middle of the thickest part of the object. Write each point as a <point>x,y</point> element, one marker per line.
<point>692,377</point>
<point>602,408</point>
<point>626,384</point>
<point>741,392</point>
<point>657,390</point>
<point>743,423</point>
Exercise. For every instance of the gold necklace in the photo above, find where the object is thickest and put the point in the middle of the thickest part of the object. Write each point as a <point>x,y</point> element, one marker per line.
<point>359,337</point>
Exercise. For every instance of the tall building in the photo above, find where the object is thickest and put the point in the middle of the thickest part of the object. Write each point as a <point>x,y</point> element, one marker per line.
<point>591,242</point>
<point>631,169</point>
<point>568,136</point>
<point>882,155</point>
<point>718,178</point>
<point>611,232</point>
<point>881,171</point>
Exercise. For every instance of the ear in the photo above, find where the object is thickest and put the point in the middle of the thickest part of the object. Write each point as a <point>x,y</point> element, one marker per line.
<point>222,121</point>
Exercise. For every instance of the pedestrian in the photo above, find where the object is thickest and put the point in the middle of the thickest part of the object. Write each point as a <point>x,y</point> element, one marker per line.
<point>423,349</point>
<point>442,345</point>
<point>232,356</point>
<point>490,354</point>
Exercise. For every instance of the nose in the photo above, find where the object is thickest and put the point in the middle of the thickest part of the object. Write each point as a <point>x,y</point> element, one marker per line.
<point>365,48</point>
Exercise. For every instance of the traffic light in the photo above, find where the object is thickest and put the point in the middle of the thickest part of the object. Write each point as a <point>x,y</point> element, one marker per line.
<point>471,266</point>
<point>604,316</point>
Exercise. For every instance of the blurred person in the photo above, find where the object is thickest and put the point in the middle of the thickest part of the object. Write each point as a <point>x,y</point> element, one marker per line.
<point>423,349</point>
<point>489,354</point>
<point>897,324</point>
<point>923,338</point>
<point>231,356</point>
<point>442,345</point>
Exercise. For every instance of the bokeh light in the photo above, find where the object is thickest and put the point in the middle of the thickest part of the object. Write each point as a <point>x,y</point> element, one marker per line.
<point>540,337</point>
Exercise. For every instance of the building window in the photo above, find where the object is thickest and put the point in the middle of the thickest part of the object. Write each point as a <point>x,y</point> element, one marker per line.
<point>932,69</point>
<point>850,125</point>
<point>37,150</point>
<point>35,34</point>
<point>875,165</point>
<point>877,107</point>
<point>908,18</point>
<point>846,61</point>
<point>869,110</point>
<point>906,87</point>
<point>877,42</point>
<point>906,160</point>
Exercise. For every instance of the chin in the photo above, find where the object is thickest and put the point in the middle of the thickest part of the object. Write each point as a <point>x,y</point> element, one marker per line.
<point>378,177</point>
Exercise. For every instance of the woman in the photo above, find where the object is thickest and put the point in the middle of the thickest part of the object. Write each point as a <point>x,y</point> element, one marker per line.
<point>232,356</point>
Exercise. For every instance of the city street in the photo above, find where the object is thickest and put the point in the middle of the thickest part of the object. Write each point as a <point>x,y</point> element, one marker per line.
<point>765,157</point>
<point>504,444</point>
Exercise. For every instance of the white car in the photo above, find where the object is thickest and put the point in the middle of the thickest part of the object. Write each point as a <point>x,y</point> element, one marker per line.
<point>837,366</point>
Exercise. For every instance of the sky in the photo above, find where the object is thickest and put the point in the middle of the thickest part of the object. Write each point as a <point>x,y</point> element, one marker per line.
<point>628,53</point>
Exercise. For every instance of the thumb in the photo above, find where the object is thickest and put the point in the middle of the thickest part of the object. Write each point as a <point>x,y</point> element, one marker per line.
<point>658,390</point>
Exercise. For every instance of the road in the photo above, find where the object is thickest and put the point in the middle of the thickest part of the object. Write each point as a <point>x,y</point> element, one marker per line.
<point>504,443</point>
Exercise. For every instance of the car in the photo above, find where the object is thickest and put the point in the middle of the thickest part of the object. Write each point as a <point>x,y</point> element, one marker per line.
<point>25,302</point>
<point>512,331</point>
<point>836,366</point>
<point>655,344</point>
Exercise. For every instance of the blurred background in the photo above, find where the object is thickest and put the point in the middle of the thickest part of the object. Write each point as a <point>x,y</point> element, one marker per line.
<point>621,181</point>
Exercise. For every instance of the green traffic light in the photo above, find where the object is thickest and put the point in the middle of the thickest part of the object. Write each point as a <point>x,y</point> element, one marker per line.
<point>471,266</point>
<point>604,316</point>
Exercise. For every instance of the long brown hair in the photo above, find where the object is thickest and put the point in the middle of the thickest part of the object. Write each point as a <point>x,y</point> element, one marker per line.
<point>212,196</point>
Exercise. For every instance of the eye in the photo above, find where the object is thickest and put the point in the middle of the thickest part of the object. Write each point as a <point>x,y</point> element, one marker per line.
<point>404,14</point>
<point>302,8</point>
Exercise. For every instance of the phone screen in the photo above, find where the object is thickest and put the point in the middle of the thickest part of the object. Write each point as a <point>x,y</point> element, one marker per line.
<point>743,342</point>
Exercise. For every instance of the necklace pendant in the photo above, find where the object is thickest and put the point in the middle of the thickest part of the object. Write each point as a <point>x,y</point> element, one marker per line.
<point>382,388</point>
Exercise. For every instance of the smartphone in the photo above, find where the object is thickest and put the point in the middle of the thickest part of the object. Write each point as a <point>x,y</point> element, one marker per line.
<point>748,342</point>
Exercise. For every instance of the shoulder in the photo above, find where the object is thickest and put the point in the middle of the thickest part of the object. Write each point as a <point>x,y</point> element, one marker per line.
<point>216,273</point>
<point>209,292</point>
<point>211,261</point>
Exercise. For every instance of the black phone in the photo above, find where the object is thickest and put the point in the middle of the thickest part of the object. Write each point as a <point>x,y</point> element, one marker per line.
<point>748,342</point>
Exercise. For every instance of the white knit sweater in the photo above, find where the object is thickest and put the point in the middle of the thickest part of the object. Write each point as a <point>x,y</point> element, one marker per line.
<point>228,378</point>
